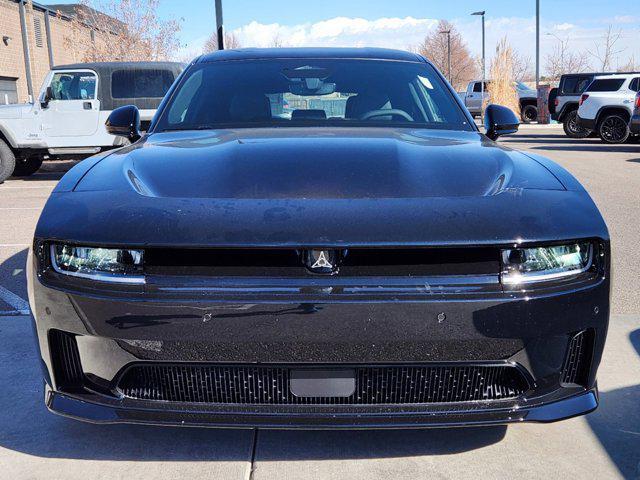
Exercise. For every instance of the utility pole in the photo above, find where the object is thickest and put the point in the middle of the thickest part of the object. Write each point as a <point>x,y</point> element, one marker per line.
<point>537,44</point>
<point>484,69</point>
<point>448,32</point>
<point>219,25</point>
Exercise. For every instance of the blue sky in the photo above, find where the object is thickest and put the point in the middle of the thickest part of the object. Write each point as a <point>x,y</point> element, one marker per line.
<point>402,23</point>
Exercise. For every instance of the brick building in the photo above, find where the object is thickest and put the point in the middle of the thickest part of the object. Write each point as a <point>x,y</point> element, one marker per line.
<point>33,38</point>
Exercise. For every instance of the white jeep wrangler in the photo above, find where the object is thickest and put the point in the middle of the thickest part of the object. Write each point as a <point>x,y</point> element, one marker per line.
<point>74,102</point>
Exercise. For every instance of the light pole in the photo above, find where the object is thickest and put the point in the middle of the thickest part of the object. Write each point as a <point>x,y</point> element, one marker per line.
<point>537,44</point>
<point>219,25</point>
<point>481,14</point>
<point>448,32</point>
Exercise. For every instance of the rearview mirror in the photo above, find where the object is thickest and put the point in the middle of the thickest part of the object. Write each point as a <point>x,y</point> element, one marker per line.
<point>124,122</point>
<point>499,120</point>
<point>48,96</point>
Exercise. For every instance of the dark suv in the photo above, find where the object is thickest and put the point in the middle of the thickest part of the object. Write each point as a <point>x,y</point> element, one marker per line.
<point>634,124</point>
<point>563,102</point>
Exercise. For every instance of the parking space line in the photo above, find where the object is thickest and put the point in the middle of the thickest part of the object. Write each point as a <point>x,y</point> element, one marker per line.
<point>20,208</point>
<point>20,306</point>
<point>3,245</point>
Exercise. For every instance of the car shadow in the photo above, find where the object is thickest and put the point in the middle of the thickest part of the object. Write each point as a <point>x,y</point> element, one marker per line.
<point>50,170</point>
<point>616,423</point>
<point>27,426</point>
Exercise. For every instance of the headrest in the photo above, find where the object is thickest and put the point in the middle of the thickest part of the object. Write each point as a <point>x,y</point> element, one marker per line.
<point>250,107</point>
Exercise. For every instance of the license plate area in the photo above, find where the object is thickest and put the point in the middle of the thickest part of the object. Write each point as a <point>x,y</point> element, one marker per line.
<point>322,383</point>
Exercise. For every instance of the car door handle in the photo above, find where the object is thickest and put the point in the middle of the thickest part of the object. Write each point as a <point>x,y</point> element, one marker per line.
<point>87,105</point>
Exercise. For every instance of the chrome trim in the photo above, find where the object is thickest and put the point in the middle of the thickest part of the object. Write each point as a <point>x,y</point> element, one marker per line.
<point>99,277</point>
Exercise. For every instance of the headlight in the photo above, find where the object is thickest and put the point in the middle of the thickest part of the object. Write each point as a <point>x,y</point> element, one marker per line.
<point>104,264</point>
<point>521,265</point>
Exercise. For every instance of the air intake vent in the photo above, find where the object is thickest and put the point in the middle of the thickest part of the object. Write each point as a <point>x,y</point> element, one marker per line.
<point>256,385</point>
<point>578,360</point>
<point>67,369</point>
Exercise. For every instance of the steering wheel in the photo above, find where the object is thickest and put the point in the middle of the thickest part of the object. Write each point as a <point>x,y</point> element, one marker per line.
<point>385,113</point>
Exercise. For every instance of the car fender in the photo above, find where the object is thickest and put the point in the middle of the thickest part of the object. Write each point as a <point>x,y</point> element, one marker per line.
<point>566,108</point>
<point>7,134</point>
<point>612,108</point>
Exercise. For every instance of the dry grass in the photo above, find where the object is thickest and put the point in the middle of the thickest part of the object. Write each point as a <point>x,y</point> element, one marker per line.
<point>501,89</point>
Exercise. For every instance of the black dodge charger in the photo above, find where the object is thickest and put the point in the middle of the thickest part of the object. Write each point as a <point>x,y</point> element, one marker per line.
<point>318,238</point>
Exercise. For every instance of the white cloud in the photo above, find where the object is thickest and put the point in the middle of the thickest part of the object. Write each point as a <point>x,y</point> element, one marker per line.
<point>563,26</point>
<point>405,33</point>
<point>625,19</point>
<point>339,31</point>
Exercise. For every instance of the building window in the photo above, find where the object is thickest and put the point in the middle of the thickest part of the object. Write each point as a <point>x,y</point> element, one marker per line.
<point>8,90</point>
<point>37,28</point>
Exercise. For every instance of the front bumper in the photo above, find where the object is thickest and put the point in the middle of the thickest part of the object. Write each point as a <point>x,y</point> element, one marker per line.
<point>634,124</point>
<point>461,323</point>
<point>94,410</point>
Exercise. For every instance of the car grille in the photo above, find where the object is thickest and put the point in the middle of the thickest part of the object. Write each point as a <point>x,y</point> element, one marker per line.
<point>578,360</point>
<point>269,385</point>
<point>355,262</point>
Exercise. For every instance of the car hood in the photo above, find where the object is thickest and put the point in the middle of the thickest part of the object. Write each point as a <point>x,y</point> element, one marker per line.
<point>14,111</point>
<point>317,163</point>
<point>317,187</point>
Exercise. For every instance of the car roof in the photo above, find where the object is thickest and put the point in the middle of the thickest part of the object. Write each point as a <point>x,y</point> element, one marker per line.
<point>618,75</point>
<point>120,65</point>
<point>359,53</point>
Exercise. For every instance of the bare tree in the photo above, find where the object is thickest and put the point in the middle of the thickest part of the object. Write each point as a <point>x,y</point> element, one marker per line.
<point>463,66</point>
<point>631,66</point>
<point>230,42</point>
<point>564,60</point>
<point>277,41</point>
<point>522,68</point>
<point>124,30</point>
<point>605,50</point>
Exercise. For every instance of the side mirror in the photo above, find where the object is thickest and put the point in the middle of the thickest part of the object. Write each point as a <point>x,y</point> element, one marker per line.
<point>124,122</point>
<point>48,96</point>
<point>499,120</point>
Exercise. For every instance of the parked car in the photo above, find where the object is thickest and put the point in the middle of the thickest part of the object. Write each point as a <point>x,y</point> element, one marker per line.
<point>474,98</point>
<point>564,102</point>
<point>634,124</point>
<point>384,266</point>
<point>606,106</point>
<point>68,119</point>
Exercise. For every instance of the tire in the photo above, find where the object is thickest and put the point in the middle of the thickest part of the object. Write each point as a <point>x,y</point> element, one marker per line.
<point>7,161</point>
<point>571,128</point>
<point>27,166</point>
<point>613,128</point>
<point>529,113</point>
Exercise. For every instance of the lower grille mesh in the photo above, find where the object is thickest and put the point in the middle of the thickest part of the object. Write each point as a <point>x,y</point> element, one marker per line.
<point>255,385</point>
<point>578,359</point>
<point>65,357</point>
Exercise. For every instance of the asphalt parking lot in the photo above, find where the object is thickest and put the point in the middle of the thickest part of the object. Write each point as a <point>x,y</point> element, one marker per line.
<point>605,444</point>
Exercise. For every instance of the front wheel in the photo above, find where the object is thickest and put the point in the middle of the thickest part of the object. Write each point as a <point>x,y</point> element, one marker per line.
<point>571,127</point>
<point>529,113</point>
<point>27,166</point>
<point>7,161</point>
<point>614,129</point>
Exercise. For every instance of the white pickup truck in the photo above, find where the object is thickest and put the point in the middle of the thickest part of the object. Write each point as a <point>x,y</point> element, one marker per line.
<point>67,120</point>
<point>475,97</point>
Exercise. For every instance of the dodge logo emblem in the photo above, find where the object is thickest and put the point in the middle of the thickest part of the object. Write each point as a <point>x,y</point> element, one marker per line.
<point>321,261</point>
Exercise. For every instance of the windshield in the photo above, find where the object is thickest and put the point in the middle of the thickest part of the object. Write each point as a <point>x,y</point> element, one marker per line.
<point>311,92</point>
<point>522,87</point>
